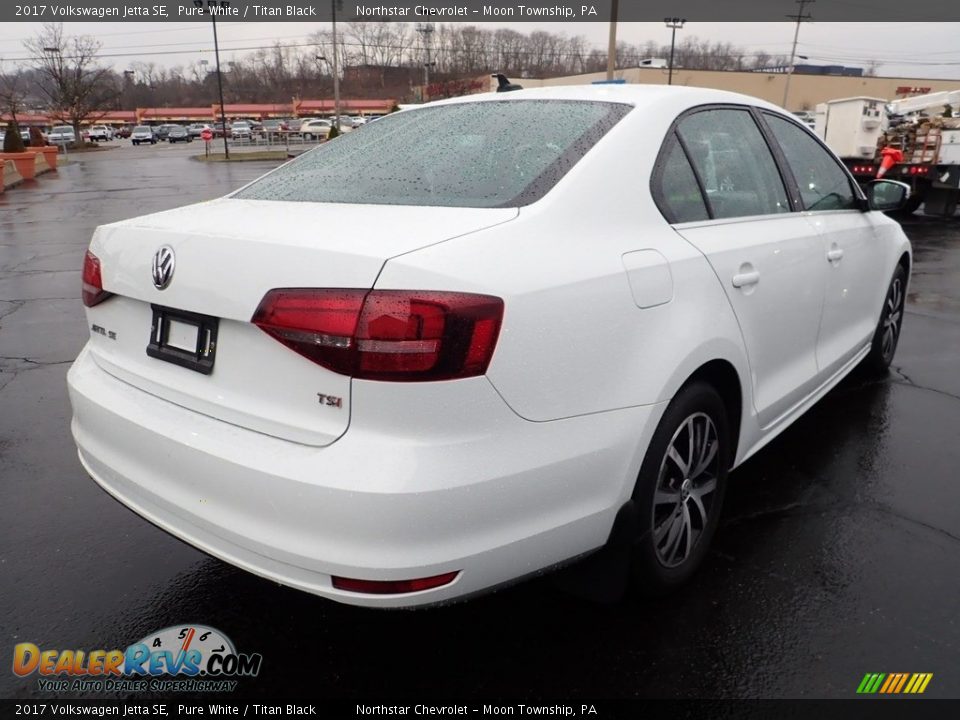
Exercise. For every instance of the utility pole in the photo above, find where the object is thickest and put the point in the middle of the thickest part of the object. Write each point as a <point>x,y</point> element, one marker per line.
<point>425,29</point>
<point>336,71</point>
<point>612,42</point>
<point>799,17</point>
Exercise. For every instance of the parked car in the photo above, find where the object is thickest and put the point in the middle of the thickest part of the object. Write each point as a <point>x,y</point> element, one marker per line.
<point>314,128</point>
<point>144,134</point>
<point>124,131</point>
<point>163,130</point>
<point>319,129</point>
<point>358,121</point>
<point>100,133</point>
<point>24,134</point>
<point>218,129</point>
<point>273,127</point>
<point>552,329</point>
<point>241,129</point>
<point>195,129</point>
<point>178,133</point>
<point>346,122</point>
<point>62,135</point>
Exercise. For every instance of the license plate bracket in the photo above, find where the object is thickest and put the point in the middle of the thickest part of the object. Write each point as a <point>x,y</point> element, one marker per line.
<point>171,333</point>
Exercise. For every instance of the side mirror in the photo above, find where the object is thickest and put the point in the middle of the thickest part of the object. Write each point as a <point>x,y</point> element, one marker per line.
<point>887,195</point>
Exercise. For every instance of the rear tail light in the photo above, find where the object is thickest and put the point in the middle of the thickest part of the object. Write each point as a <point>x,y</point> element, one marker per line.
<point>93,292</point>
<point>392,587</point>
<point>401,335</point>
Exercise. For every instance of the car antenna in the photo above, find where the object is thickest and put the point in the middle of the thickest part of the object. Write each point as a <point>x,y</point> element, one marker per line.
<point>504,85</point>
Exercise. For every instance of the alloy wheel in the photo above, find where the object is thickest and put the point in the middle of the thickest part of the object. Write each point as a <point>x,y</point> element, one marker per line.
<point>686,483</point>
<point>892,317</point>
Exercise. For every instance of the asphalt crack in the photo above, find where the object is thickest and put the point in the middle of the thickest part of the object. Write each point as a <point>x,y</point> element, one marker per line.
<point>908,381</point>
<point>11,367</point>
<point>17,304</point>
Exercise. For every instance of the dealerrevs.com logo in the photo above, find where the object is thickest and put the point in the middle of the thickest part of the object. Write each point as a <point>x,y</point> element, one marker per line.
<point>184,658</point>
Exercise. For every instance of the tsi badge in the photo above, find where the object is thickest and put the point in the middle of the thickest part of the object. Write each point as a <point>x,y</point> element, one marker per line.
<point>187,658</point>
<point>164,262</point>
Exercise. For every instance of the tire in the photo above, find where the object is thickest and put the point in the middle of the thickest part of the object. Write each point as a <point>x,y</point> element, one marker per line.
<point>887,335</point>
<point>678,510</point>
<point>136,142</point>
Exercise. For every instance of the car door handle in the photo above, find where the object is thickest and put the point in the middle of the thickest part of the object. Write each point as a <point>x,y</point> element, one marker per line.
<point>834,254</point>
<point>746,278</point>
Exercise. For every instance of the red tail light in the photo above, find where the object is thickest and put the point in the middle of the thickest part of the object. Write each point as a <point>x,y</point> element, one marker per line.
<point>93,292</point>
<point>393,587</point>
<point>402,335</point>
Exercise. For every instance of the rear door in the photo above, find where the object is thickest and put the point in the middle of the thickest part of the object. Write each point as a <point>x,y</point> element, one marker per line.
<point>766,255</point>
<point>852,256</point>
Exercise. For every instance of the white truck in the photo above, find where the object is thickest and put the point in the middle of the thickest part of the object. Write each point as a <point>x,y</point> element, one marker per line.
<point>921,150</point>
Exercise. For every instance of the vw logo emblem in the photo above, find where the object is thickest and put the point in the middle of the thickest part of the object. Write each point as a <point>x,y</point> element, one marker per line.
<point>163,264</point>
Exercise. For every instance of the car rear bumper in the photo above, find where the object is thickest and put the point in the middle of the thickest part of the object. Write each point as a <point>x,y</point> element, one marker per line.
<point>495,504</point>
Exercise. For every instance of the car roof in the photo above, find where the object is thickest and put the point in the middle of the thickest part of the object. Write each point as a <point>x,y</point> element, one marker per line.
<point>645,97</point>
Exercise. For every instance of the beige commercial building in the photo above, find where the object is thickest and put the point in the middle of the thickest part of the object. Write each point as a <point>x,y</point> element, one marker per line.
<point>805,90</point>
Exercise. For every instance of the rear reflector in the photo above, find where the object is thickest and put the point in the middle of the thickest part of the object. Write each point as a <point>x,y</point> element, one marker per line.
<point>392,587</point>
<point>93,292</point>
<point>400,335</point>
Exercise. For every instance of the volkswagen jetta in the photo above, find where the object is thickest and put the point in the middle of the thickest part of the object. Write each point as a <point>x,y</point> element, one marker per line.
<point>482,338</point>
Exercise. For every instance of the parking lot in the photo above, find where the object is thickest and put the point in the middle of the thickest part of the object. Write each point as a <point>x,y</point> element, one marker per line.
<point>838,554</point>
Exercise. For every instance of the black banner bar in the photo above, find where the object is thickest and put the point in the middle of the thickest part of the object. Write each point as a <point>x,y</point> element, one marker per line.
<point>873,708</point>
<point>479,11</point>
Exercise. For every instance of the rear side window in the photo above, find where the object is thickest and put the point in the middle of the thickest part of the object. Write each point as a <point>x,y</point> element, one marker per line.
<point>675,188</point>
<point>824,185</point>
<point>480,154</point>
<point>734,163</point>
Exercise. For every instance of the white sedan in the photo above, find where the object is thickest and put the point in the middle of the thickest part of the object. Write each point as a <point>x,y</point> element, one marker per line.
<point>319,128</point>
<point>395,373</point>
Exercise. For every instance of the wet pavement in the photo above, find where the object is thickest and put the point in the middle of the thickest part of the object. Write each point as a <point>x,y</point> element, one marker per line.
<point>839,553</point>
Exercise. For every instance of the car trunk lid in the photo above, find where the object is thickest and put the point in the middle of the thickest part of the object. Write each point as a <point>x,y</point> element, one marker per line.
<point>228,254</point>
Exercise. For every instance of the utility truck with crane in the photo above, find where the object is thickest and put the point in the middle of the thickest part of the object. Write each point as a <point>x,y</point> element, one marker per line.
<point>914,139</point>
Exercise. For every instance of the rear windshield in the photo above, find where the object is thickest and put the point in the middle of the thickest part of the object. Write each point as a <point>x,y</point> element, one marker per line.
<point>142,128</point>
<point>488,154</point>
<point>63,128</point>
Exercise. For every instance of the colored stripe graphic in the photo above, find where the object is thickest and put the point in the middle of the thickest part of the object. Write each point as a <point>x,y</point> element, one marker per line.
<point>903,680</point>
<point>891,680</point>
<point>894,683</point>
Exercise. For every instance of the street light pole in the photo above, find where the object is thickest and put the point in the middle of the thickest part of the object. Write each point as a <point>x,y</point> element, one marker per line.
<point>336,72</point>
<point>674,23</point>
<point>211,8</point>
<point>426,30</point>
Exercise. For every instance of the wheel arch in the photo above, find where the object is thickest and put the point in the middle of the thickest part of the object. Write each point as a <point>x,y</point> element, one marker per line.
<point>722,376</point>
<point>723,364</point>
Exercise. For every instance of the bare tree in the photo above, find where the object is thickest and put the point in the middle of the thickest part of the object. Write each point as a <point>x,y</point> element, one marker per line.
<point>13,91</point>
<point>75,86</point>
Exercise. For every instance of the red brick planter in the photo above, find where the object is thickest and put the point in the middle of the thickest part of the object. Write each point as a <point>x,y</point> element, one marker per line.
<point>25,162</point>
<point>49,151</point>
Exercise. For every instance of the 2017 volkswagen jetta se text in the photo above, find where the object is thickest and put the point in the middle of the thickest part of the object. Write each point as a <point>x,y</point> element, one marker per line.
<point>482,337</point>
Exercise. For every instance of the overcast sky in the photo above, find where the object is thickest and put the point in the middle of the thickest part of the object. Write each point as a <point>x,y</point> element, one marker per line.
<point>922,50</point>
